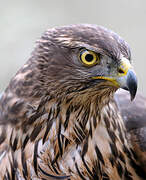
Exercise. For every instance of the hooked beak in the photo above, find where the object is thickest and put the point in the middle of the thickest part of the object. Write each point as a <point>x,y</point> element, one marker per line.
<point>125,78</point>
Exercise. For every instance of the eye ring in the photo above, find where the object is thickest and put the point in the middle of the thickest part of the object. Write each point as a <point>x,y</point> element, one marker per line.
<point>89,58</point>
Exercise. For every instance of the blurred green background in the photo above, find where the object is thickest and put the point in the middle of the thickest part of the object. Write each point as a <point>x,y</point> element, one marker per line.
<point>23,21</point>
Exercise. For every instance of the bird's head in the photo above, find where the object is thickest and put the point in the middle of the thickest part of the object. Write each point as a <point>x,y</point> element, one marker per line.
<point>81,63</point>
<point>81,59</point>
<point>77,61</point>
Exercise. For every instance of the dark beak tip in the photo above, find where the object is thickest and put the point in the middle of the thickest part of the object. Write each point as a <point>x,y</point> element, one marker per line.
<point>133,92</point>
<point>132,97</point>
<point>132,85</point>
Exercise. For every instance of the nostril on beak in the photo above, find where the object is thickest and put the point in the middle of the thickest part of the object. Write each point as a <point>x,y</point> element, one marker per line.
<point>120,71</point>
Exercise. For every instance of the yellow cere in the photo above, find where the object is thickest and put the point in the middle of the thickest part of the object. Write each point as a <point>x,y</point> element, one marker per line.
<point>124,66</point>
<point>89,58</point>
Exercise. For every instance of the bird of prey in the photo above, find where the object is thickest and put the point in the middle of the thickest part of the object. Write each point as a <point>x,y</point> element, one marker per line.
<point>59,118</point>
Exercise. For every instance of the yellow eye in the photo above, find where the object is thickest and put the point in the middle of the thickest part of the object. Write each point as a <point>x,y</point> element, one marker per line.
<point>89,58</point>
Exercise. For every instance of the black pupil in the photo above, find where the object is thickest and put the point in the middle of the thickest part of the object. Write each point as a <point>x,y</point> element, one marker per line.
<point>89,57</point>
